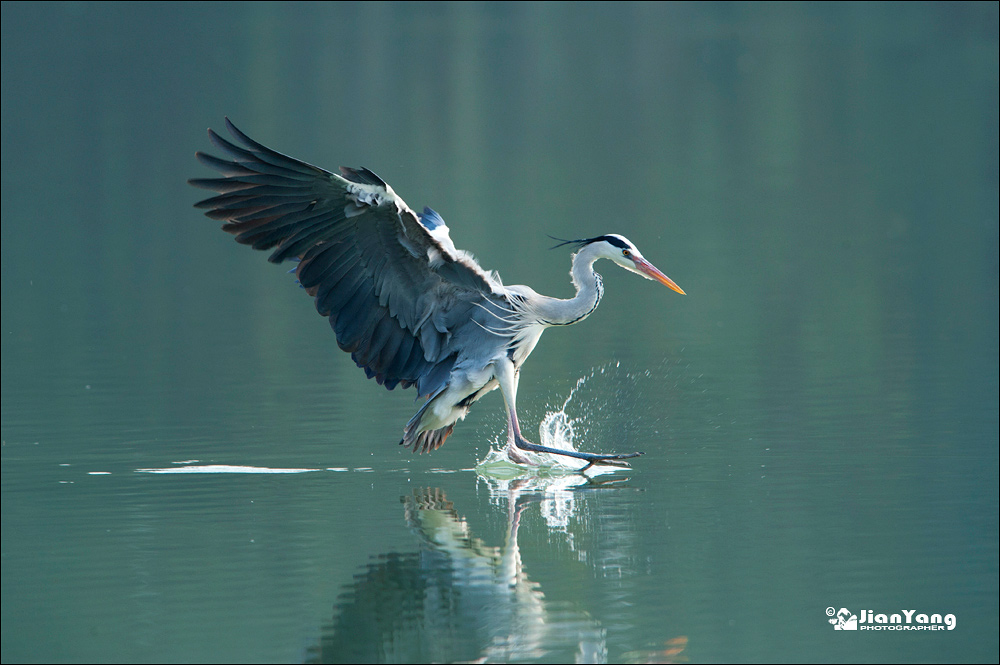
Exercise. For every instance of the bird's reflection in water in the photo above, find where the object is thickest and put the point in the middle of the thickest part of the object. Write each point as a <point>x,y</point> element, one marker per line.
<point>556,494</point>
<point>457,599</point>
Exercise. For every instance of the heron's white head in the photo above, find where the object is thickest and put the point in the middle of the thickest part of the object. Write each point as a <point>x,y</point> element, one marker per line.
<point>622,251</point>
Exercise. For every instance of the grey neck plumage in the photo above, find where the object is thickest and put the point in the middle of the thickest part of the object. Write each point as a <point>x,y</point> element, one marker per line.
<point>589,290</point>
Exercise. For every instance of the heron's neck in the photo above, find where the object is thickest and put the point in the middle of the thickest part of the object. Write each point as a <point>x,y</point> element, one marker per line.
<point>589,289</point>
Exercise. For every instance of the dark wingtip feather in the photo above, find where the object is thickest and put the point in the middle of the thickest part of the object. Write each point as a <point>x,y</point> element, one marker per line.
<point>243,138</point>
<point>201,183</point>
<point>221,143</point>
<point>362,176</point>
<point>226,168</point>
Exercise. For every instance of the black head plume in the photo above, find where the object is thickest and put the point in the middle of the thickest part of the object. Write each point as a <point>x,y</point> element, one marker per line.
<point>577,244</point>
<point>583,242</point>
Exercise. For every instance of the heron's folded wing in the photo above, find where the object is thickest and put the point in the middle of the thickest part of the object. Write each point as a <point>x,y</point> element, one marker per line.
<point>393,286</point>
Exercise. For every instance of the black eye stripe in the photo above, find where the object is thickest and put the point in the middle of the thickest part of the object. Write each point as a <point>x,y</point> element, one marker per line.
<point>612,240</point>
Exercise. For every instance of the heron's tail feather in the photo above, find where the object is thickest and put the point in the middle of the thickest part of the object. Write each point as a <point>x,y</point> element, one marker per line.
<point>428,428</point>
<point>424,442</point>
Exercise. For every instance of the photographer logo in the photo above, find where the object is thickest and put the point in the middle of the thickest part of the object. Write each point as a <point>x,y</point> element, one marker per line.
<point>844,619</point>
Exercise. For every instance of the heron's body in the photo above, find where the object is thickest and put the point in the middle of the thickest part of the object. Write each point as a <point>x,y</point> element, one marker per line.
<point>410,308</point>
<point>512,327</point>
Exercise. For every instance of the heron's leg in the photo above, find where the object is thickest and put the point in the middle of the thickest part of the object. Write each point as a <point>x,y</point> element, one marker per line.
<point>507,377</point>
<point>511,420</point>
<point>508,386</point>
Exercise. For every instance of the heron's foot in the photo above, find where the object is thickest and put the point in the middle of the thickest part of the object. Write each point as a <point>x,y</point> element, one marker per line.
<point>518,458</point>
<point>609,459</point>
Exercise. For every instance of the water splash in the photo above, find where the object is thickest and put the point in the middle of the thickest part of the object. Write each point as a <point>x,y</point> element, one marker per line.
<point>556,430</point>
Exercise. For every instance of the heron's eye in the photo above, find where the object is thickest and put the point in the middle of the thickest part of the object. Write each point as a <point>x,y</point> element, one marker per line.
<point>625,252</point>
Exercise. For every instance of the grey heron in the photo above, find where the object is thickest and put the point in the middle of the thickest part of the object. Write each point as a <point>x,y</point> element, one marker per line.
<point>410,308</point>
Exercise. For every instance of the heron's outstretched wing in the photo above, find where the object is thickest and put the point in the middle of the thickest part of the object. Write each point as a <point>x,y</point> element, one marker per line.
<point>391,282</point>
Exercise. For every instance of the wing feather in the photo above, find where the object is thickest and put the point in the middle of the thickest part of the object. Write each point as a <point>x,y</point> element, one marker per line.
<point>318,262</point>
<point>395,289</point>
<point>381,336</point>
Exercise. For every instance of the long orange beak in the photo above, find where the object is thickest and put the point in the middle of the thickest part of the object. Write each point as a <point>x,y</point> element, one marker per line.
<point>651,271</point>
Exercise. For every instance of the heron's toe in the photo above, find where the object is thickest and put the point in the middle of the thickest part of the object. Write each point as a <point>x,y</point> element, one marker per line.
<point>518,458</point>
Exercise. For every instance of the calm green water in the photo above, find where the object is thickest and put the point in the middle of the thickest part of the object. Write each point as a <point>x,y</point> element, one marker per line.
<point>820,413</point>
